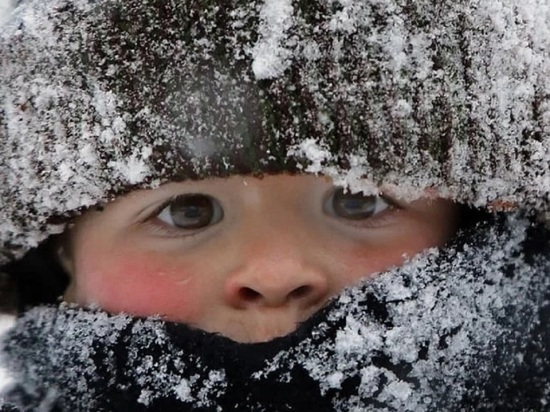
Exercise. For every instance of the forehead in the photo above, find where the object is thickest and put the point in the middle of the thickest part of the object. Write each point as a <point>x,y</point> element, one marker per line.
<point>247,186</point>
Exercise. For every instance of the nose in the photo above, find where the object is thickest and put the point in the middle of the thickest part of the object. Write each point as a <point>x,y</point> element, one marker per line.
<point>271,280</point>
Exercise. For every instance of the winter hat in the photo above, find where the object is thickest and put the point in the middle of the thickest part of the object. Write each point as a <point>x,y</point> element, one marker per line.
<point>100,97</point>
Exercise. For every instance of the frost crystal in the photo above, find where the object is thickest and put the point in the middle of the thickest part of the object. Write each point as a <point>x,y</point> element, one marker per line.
<point>270,56</point>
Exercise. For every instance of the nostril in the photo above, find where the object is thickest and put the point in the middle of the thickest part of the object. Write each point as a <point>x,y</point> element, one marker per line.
<point>249,295</point>
<point>300,292</point>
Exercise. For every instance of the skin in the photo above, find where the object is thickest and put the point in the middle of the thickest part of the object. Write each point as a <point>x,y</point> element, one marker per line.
<point>275,258</point>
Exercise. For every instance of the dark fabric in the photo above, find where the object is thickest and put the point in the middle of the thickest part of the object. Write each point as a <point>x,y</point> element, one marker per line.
<point>8,408</point>
<point>465,328</point>
<point>37,278</point>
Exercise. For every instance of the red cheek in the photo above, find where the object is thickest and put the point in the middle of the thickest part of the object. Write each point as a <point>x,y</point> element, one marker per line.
<point>140,284</point>
<point>361,262</point>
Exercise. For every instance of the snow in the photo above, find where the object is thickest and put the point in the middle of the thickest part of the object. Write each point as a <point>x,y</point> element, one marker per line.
<point>153,363</point>
<point>5,9</point>
<point>271,57</point>
<point>5,323</point>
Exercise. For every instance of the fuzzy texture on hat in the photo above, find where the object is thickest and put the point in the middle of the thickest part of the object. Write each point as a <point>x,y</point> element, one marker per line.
<point>100,97</point>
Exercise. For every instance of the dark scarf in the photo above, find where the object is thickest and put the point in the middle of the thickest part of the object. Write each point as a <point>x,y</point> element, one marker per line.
<point>464,328</point>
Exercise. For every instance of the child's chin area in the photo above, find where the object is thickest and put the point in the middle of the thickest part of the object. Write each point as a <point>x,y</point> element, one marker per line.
<point>250,258</point>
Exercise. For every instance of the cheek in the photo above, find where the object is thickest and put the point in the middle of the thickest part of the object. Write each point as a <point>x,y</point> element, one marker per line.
<point>359,261</point>
<point>141,284</point>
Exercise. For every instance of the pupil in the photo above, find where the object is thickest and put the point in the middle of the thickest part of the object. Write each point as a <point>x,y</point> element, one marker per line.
<point>192,211</point>
<point>353,206</point>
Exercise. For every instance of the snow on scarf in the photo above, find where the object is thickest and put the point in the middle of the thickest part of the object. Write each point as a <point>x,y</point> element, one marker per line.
<point>464,327</point>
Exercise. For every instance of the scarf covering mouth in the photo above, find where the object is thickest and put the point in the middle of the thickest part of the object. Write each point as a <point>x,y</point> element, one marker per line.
<point>462,328</point>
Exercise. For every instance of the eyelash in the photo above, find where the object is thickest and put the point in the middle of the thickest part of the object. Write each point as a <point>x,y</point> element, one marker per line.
<point>378,220</point>
<point>165,230</point>
<point>161,229</point>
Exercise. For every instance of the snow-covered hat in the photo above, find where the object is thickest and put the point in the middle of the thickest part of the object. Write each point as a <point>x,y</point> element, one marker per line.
<point>100,97</point>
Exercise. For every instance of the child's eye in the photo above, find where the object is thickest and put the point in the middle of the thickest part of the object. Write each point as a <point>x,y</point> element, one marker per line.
<point>191,211</point>
<point>354,206</point>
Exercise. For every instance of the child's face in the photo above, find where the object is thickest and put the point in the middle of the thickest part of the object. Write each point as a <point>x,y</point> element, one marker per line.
<point>248,258</point>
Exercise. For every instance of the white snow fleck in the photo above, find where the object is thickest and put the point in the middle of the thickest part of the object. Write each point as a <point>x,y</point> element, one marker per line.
<point>183,391</point>
<point>6,7</point>
<point>316,153</point>
<point>370,379</point>
<point>6,322</point>
<point>271,56</point>
<point>397,389</point>
<point>335,379</point>
<point>402,108</point>
<point>145,397</point>
<point>134,169</point>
